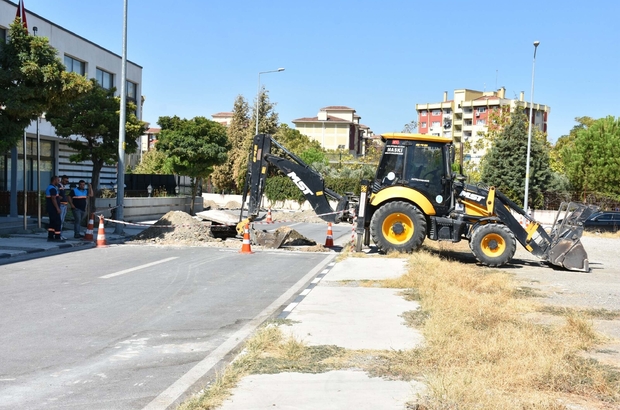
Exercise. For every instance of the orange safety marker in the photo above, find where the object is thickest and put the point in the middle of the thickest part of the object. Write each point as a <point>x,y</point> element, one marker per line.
<point>269,220</point>
<point>88,236</point>
<point>101,243</point>
<point>246,248</point>
<point>329,241</point>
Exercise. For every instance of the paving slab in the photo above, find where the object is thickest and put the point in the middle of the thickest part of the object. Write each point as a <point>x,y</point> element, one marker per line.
<point>338,389</point>
<point>369,268</point>
<point>354,318</point>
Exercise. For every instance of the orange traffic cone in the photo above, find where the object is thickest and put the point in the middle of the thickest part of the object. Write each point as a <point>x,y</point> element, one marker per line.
<point>88,236</point>
<point>101,243</point>
<point>269,220</point>
<point>329,241</point>
<point>246,248</point>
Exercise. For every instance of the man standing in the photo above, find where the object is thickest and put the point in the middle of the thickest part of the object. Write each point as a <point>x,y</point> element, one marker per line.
<point>78,197</point>
<point>63,190</point>
<point>53,211</point>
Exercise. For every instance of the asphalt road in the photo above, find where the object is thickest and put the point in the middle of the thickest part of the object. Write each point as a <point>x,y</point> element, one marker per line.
<point>113,328</point>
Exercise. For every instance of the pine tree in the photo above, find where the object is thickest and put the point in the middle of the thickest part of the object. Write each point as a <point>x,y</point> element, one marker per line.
<point>225,176</point>
<point>505,164</point>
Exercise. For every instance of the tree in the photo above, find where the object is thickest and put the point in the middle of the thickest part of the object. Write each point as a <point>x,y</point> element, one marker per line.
<point>592,158</point>
<point>268,119</point>
<point>194,147</point>
<point>295,141</point>
<point>32,80</point>
<point>93,119</point>
<point>505,163</point>
<point>226,175</point>
<point>154,162</point>
<point>555,155</point>
<point>410,127</point>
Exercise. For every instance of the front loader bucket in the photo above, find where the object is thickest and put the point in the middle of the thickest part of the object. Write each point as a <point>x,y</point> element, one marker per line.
<point>569,254</point>
<point>271,240</point>
<point>565,248</point>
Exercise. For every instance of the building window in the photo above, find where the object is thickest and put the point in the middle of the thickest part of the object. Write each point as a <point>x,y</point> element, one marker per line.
<point>132,91</point>
<point>481,122</point>
<point>467,110</point>
<point>75,66</point>
<point>47,166</point>
<point>435,124</point>
<point>436,112</point>
<point>423,113</point>
<point>447,111</point>
<point>2,35</point>
<point>423,125</point>
<point>468,123</point>
<point>480,110</point>
<point>105,79</point>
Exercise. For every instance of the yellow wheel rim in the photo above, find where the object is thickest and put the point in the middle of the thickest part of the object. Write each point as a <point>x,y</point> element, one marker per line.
<point>397,228</point>
<point>493,245</point>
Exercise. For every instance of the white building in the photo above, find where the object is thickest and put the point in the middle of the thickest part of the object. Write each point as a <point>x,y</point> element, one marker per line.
<point>79,55</point>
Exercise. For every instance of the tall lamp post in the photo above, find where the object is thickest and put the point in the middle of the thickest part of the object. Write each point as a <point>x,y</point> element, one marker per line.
<point>258,93</point>
<point>529,134</point>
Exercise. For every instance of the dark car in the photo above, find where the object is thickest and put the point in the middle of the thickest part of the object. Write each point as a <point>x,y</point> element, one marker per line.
<point>605,221</point>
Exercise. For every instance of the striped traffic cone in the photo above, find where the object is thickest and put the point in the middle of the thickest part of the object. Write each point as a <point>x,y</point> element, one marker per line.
<point>329,241</point>
<point>88,236</point>
<point>246,248</point>
<point>101,243</point>
<point>269,220</point>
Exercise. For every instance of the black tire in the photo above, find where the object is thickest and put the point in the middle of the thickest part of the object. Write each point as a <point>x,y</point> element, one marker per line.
<point>398,226</point>
<point>493,244</point>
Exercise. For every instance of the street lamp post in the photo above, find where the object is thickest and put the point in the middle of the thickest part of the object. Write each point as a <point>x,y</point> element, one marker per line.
<point>529,134</point>
<point>258,93</point>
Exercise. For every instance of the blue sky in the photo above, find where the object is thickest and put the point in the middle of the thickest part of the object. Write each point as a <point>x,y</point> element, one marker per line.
<point>380,58</point>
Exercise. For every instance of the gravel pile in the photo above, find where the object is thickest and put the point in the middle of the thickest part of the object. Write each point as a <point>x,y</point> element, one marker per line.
<point>177,227</point>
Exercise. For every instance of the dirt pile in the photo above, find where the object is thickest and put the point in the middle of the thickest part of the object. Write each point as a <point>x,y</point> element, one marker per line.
<point>177,227</point>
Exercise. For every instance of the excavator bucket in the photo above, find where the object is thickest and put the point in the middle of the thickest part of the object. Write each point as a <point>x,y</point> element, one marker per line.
<point>566,249</point>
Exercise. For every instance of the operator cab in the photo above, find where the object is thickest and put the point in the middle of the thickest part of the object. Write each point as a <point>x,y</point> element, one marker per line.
<point>417,161</point>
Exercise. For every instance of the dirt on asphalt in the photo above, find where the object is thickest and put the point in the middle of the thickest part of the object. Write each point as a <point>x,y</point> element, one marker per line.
<point>179,228</point>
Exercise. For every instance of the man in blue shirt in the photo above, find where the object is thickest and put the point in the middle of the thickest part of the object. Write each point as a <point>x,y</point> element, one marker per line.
<point>63,191</point>
<point>52,205</point>
<point>78,198</point>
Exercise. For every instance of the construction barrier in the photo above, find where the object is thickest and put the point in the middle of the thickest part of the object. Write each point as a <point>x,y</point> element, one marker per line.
<point>329,241</point>
<point>101,242</point>
<point>246,247</point>
<point>88,236</point>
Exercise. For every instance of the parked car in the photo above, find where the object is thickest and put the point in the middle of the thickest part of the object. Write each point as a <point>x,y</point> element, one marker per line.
<point>605,221</point>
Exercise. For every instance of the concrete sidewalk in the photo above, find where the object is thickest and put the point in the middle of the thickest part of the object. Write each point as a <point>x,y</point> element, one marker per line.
<point>328,313</point>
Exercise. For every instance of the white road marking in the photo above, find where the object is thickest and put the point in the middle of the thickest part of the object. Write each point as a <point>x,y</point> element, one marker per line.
<point>305,292</point>
<point>290,307</point>
<point>316,280</point>
<point>168,396</point>
<point>122,272</point>
<point>7,380</point>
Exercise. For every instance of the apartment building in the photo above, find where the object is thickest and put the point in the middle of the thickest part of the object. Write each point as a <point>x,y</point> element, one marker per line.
<point>84,57</point>
<point>336,127</point>
<point>466,116</point>
<point>223,118</point>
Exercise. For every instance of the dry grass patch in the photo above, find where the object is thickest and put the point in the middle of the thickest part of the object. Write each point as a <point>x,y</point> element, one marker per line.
<point>603,314</point>
<point>482,353</point>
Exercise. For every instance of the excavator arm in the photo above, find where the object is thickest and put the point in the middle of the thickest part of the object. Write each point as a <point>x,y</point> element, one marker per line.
<point>309,182</point>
